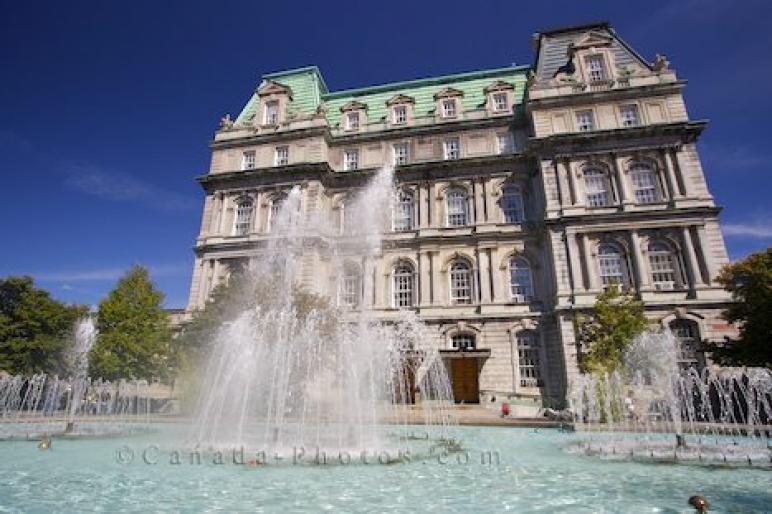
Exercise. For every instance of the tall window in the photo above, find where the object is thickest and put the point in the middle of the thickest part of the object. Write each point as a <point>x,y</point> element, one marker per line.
<point>688,335</point>
<point>504,143</point>
<point>352,121</point>
<point>612,267</point>
<point>404,212</point>
<point>452,149</point>
<point>500,102</point>
<point>528,359</point>
<point>596,68</point>
<point>403,286</point>
<point>399,114</point>
<point>520,285</point>
<point>401,155</point>
<point>248,160</point>
<point>243,218</point>
<point>512,204</point>
<point>349,287</point>
<point>449,108</point>
<point>274,214</point>
<point>463,342</point>
<point>644,183</point>
<point>458,212</point>
<point>663,265</point>
<point>598,190</point>
<point>351,160</point>
<point>585,121</point>
<point>271,116</point>
<point>282,156</point>
<point>629,115</point>
<point>460,283</point>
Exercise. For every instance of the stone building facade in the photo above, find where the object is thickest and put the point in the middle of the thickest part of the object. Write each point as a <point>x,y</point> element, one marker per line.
<point>522,193</point>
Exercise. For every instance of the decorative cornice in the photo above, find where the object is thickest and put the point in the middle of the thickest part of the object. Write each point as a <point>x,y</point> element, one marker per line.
<point>400,99</point>
<point>448,92</point>
<point>353,105</point>
<point>270,87</point>
<point>622,93</point>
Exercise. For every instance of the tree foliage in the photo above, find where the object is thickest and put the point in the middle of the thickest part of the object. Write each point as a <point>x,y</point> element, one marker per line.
<point>34,328</point>
<point>750,282</point>
<point>134,340</point>
<point>608,330</point>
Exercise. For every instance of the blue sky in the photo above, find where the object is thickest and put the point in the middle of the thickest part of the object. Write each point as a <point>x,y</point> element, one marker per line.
<point>106,108</point>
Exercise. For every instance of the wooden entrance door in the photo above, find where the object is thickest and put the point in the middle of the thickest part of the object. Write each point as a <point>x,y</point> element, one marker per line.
<point>465,378</point>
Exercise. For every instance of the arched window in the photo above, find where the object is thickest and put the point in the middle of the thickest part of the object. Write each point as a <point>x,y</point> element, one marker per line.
<point>458,212</point>
<point>612,266</point>
<point>274,214</point>
<point>644,183</point>
<point>460,283</point>
<point>688,335</point>
<point>403,285</point>
<point>243,217</point>
<point>520,285</point>
<point>404,212</point>
<point>662,261</point>
<point>528,359</point>
<point>598,188</point>
<point>512,204</point>
<point>463,342</point>
<point>349,286</point>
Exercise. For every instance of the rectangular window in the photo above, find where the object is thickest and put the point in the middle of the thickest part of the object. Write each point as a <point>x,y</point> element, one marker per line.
<point>399,115</point>
<point>500,102</point>
<point>504,143</point>
<point>452,149</point>
<point>271,116</point>
<point>349,291</point>
<point>248,160</point>
<point>629,115</point>
<point>528,359</point>
<point>449,108</point>
<point>585,121</point>
<point>282,155</point>
<point>351,160</point>
<point>401,155</point>
<point>596,68</point>
<point>352,121</point>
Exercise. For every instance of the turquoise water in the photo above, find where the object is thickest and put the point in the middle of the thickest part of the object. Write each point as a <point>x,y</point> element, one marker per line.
<point>534,475</point>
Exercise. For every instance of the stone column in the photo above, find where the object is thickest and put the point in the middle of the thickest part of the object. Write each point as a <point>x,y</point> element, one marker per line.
<point>674,191</point>
<point>432,212</point>
<point>574,262</point>
<point>694,266</point>
<point>641,276</point>
<point>477,202</point>
<point>425,278</point>
<point>484,265</point>
<point>623,186</point>
<point>575,197</point>
<point>592,277</point>
<point>702,237</point>
<point>217,214</point>
<point>490,205</point>
<point>681,171</point>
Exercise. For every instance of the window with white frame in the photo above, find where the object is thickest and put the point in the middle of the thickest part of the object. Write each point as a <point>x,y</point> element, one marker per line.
<point>399,114</point>
<point>598,188</point>
<point>528,359</point>
<point>449,108</point>
<point>248,160</point>
<point>662,261</point>
<point>505,143</point>
<point>596,68</point>
<point>520,284</point>
<point>351,160</point>
<point>349,288</point>
<point>244,211</point>
<point>463,342</point>
<point>271,114</point>
<point>352,121</point>
<point>687,333</point>
<point>585,121</point>
<point>512,204</point>
<point>644,181</point>
<point>629,115</point>
<point>612,266</point>
<point>458,208</point>
<point>452,149</point>
<point>281,157</point>
<point>401,154</point>
<point>274,213</point>
<point>460,283</point>
<point>403,286</point>
<point>500,101</point>
<point>349,220</point>
<point>404,211</point>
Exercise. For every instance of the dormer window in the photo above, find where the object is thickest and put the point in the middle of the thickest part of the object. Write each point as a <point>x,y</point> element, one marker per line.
<point>352,121</point>
<point>399,115</point>
<point>596,68</point>
<point>449,108</point>
<point>500,101</point>
<point>271,115</point>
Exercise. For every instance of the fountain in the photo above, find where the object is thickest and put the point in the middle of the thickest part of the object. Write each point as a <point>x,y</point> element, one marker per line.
<point>291,371</point>
<point>656,410</point>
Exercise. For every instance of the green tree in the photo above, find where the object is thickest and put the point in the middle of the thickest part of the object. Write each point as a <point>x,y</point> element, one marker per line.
<point>750,282</point>
<point>34,328</point>
<point>608,330</point>
<point>134,338</point>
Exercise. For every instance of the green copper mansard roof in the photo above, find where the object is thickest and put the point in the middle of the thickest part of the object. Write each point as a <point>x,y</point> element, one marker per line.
<point>309,90</point>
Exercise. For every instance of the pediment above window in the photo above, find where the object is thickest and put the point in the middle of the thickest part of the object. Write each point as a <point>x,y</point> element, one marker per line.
<point>499,85</point>
<point>448,92</point>
<point>590,40</point>
<point>353,106</point>
<point>269,87</point>
<point>400,99</point>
